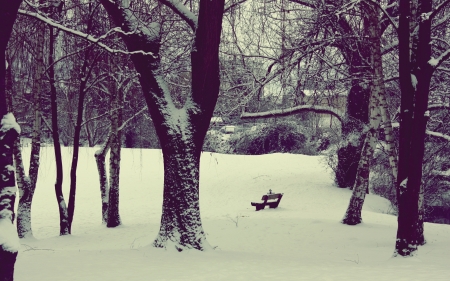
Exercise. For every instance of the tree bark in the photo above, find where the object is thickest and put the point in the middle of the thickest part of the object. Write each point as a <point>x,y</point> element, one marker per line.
<point>181,130</point>
<point>377,89</point>
<point>10,245</point>
<point>113,219</point>
<point>26,195</point>
<point>9,131</point>
<point>180,222</point>
<point>63,214</point>
<point>356,53</point>
<point>412,129</point>
<point>100,156</point>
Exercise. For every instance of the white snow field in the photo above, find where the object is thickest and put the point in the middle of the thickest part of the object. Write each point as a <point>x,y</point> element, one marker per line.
<point>302,239</point>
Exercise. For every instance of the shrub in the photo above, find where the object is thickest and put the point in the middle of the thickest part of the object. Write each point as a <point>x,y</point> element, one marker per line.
<point>263,139</point>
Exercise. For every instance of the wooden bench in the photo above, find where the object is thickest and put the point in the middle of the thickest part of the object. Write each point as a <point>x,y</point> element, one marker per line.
<point>274,198</point>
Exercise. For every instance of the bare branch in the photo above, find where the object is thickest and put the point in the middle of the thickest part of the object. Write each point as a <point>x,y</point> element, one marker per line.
<point>293,110</point>
<point>131,118</point>
<point>83,35</point>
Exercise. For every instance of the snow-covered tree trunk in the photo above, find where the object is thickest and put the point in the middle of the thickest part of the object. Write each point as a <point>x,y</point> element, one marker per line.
<point>9,242</point>
<point>181,130</point>
<point>100,157</point>
<point>113,218</point>
<point>180,222</point>
<point>9,131</point>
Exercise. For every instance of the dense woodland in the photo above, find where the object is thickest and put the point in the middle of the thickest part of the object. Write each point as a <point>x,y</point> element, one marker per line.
<point>153,74</point>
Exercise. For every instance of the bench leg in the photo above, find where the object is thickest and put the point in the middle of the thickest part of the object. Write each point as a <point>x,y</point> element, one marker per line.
<point>260,207</point>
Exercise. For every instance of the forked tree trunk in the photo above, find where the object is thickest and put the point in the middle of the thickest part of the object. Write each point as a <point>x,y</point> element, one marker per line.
<point>63,214</point>
<point>412,126</point>
<point>76,141</point>
<point>181,130</point>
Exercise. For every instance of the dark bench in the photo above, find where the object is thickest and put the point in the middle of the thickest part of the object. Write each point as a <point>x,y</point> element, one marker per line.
<point>274,198</point>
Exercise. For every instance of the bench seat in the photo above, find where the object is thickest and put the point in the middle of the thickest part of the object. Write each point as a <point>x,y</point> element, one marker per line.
<point>274,198</point>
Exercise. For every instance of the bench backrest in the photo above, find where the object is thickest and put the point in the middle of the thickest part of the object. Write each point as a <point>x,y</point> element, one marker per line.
<point>271,196</point>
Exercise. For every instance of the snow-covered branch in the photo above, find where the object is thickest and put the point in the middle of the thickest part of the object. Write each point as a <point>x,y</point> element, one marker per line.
<point>293,110</point>
<point>181,10</point>
<point>438,135</point>
<point>88,37</point>
<point>435,62</point>
<point>437,106</point>
<point>309,4</point>
<point>439,8</point>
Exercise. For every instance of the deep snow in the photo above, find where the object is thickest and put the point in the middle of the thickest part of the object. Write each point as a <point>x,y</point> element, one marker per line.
<point>301,240</point>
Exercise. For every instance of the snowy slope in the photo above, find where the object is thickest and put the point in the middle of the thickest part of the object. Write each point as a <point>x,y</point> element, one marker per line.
<point>300,240</point>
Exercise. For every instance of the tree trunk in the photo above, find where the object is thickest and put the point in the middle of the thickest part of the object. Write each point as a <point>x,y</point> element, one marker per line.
<point>10,245</point>
<point>9,131</point>
<point>353,214</point>
<point>356,54</point>
<point>114,159</point>
<point>63,214</point>
<point>26,195</point>
<point>100,156</point>
<point>388,135</point>
<point>76,139</point>
<point>180,222</point>
<point>412,129</point>
<point>181,130</point>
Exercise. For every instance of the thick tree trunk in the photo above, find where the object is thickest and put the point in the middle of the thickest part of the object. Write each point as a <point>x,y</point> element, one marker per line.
<point>181,130</point>
<point>63,214</point>
<point>181,224</point>
<point>100,157</point>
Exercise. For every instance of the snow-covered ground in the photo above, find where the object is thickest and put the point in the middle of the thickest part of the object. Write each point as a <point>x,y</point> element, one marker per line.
<point>301,240</point>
